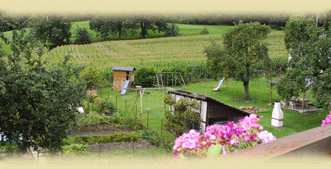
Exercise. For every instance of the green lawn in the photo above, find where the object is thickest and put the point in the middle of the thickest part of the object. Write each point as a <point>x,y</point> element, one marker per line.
<point>259,89</point>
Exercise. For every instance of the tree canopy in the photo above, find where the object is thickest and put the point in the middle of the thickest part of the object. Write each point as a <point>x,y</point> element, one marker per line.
<point>310,60</point>
<point>106,26</point>
<point>36,100</point>
<point>243,47</point>
<point>54,30</point>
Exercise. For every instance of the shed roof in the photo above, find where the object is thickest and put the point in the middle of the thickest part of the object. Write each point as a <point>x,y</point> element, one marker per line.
<point>124,68</point>
<point>204,98</point>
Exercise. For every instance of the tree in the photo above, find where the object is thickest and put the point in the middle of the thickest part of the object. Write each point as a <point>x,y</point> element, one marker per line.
<point>311,55</point>
<point>37,101</point>
<point>82,36</point>
<point>243,47</point>
<point>150,22</point>
<point>106,26</point>
<point>52,29</point>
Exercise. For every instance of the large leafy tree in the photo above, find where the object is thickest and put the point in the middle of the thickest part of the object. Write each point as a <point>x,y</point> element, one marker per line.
<point>243,47</point>
<point>35,99</point>
<point>52,30</point>
<point>150,22</point>
<point>311,55</point>
<point>106,25</point>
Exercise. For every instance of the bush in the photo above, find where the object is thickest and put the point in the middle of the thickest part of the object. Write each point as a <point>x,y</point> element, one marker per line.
<point>145,76</point>
<point>173,30</point>
<point>204,31</point>
<point>106,107</point>
<point>157,140</point>
<point>76,149</point>
<point>109,138</point>
<point>91,75</point>
<point>82,36</point>
<point>94,119</point>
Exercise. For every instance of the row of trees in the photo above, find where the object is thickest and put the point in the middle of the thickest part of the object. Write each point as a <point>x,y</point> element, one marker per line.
<point>105,26</point>
<point>54,30</point>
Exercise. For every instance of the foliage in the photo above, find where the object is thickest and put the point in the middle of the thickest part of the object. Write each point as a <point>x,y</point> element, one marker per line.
<point>243,47</point>
<point>9,148</point>
<point>106,26</point>
<point>92,95</point>
<point>35,100</point>
<point>297,30</point>
<point>75,149</point>
<point>53,29</point>
<point>157,140</point>
<point>204,31</point>
<point>109,138</point>
<point>148,22</point>
<point>144,76</point>
<point>95,119</point>
<point>91,75</point>
<point>224,139</point>
<point>183,117</point>
<point>167,99</point>
<point>310,54</point>
<point>106,107</point>
<point>82,36</point>
<point>173,30</point>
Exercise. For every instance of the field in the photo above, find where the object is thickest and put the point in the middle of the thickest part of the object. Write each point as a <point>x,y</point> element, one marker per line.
<point>133,51</point>
<point>151,51</point>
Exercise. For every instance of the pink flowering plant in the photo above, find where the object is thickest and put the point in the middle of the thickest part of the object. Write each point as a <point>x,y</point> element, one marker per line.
<point>327,120</point>
<point>92,95</point>
<point>224,139</point>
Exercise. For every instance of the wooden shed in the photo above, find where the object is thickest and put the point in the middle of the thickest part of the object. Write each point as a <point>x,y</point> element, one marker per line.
<point>121,74</point>
<point>211,110</point>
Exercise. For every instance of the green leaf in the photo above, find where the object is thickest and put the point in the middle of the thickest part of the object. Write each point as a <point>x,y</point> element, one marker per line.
<point>214,150</point>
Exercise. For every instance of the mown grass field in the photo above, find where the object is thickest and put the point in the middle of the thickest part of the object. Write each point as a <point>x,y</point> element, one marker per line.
<point>259,89</point>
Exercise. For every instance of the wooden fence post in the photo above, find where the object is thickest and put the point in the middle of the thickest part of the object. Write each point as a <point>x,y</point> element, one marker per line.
<point>116,101</point>
<point>161,126</point>
<point>147,118</point>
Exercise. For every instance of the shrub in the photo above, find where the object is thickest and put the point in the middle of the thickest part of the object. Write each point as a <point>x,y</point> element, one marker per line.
<point>92,95</point>
<point>157,140</point>
<point>204,31</point>
<point>116,137</point>
<point>106,107</point>
<point>82,36</point>
<point>183,117</point>
<point>76,149</point>
<point>91,76</point>
<point>145,76</point>
<point>93,119</point>
<point>173,30</point>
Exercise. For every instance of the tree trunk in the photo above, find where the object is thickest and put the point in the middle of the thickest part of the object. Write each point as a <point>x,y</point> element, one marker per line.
<point>246,82</point>
<point>120,31</point>
<point>246,89</point>
<point>143,30</point>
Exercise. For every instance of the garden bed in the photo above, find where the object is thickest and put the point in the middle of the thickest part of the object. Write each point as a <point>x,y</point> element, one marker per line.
<point>117,146</point>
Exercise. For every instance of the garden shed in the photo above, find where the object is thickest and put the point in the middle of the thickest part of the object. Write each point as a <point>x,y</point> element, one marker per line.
<point>122,74</point>
<point>211,110</point>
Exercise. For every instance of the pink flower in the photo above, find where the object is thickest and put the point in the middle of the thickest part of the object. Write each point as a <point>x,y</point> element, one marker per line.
<point>266,137</point>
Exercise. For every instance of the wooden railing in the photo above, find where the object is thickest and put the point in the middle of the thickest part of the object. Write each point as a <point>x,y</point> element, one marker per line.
<point>308,144</point>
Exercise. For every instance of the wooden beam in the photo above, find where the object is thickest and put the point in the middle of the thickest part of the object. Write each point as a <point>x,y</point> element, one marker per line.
<point>307,144</point>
